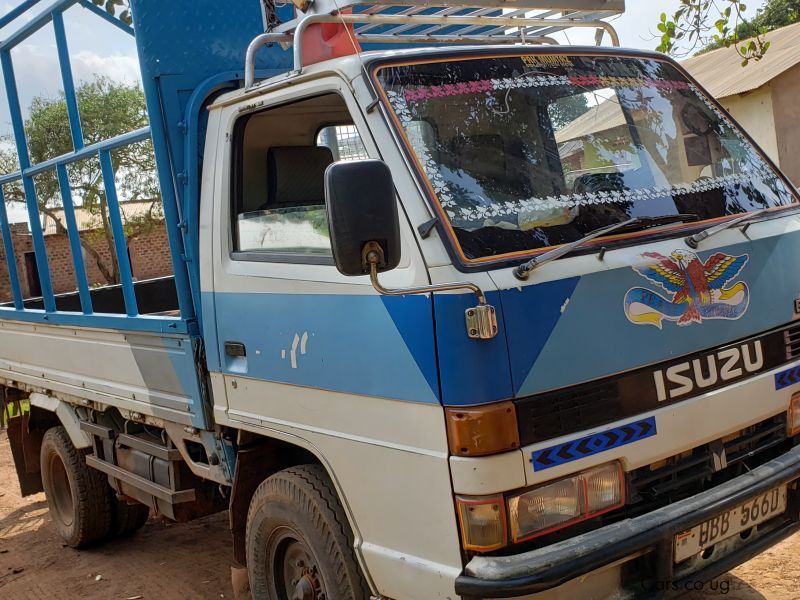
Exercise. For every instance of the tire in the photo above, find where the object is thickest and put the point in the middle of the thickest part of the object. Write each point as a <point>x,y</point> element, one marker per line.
<point>77,495</point>
<point>299,544</point>
<point>127,519</point>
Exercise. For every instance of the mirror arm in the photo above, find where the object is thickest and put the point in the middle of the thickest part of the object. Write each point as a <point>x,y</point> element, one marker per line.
<point>424,289</point>
<point>481,320</point>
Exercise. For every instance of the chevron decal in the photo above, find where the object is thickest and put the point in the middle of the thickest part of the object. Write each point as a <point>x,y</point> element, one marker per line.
<point>593,444</point>
<point>787,378</point>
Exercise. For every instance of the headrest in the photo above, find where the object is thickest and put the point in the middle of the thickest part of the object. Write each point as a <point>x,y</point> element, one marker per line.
<point>296,175</point>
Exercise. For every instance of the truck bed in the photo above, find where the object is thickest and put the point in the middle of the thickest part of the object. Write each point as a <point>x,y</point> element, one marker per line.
<point>153,297</point>
<point>150,372</point>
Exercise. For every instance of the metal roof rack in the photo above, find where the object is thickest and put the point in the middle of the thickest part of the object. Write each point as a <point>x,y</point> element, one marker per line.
<point>436,22</point>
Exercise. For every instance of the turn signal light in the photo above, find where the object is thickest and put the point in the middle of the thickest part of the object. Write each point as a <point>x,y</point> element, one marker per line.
<point>793,416</point>
<point>482,430</point>
<point>483,522</point>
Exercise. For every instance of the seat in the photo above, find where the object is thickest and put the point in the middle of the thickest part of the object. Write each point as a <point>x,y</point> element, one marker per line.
<point>296,176</point>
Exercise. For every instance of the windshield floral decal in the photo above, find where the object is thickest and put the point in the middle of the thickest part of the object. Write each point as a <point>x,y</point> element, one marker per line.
<point>525,153</point>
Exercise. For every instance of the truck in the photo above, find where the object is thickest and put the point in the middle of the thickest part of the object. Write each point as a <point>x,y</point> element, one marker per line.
<point>455,312</point>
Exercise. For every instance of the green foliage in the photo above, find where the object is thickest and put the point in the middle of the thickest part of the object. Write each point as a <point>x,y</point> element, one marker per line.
<point>13,410</point>
<point>721,23</point>
<point>107,109</point>
<point>119,8</point>
<point>774,15</point>
<point>319,221</point>
<point>565,110</point>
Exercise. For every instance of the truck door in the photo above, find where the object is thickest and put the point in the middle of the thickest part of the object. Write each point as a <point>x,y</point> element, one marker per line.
<point>288,324</point>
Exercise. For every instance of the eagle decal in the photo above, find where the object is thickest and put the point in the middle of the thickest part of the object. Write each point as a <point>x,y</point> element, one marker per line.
<point>696,290</point>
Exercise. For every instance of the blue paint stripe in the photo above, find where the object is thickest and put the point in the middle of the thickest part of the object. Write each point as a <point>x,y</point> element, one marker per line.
<point>357,344</point>
<point>788,377</point>
<point>589,445</point>
<point>534,311</point>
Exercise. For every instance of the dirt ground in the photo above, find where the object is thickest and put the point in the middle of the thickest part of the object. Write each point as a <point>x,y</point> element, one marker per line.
<point>166,561</point>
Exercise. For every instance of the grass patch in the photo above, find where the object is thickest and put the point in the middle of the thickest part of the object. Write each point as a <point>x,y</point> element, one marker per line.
<point>14,410</point>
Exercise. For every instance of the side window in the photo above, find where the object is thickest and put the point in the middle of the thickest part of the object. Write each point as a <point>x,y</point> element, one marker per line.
<point>343,141</point>
<point>278,191</point>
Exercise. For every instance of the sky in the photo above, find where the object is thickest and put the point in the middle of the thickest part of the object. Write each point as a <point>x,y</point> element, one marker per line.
<point>637,25</point>
<point>98,48</point>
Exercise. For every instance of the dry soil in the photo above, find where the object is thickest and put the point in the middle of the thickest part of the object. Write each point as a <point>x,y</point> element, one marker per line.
<point>167,561</point>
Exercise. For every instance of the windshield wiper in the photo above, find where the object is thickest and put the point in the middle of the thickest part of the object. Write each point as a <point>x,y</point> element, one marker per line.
<point>523,270</point>
<point>693,241</point>
<point>645,222</point>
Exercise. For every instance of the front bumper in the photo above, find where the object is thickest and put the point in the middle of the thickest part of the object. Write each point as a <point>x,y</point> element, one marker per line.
<point>546,568</point>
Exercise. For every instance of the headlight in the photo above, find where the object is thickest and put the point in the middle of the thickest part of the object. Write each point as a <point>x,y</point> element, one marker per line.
<point>566,501</point>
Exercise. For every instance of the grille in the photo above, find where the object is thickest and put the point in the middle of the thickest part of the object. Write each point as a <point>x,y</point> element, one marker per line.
<point>572,410</point>
<point>792,338</point>
<point>694,471</point>
<point>683,475</point>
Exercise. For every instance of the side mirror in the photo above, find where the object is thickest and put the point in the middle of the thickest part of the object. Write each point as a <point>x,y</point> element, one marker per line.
<point>365,235</point>
<point>362,216</point>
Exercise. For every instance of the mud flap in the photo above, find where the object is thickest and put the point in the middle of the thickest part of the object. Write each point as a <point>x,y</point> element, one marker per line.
<point>25,447</point>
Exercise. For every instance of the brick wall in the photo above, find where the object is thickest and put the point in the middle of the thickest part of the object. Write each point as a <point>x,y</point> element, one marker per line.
<point>149,255</point>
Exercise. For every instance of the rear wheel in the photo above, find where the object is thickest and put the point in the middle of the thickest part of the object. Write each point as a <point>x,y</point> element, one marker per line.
<point>127,519</point>
<point>77,495</point>
<point>299,545</point>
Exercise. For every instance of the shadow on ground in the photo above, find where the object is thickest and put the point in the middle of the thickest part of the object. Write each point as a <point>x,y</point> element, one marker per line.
<point>164,561</point>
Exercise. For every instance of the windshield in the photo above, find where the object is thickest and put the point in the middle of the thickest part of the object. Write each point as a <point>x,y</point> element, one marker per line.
<point>526,152</point>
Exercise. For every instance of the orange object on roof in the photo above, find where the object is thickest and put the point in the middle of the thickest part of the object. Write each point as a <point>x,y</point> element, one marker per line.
<point>323,41</point>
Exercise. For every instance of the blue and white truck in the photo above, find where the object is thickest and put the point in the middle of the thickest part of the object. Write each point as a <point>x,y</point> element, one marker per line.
<point>456,311</point>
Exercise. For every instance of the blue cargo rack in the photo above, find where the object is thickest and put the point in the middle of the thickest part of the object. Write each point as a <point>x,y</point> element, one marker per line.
<point>189,51</point>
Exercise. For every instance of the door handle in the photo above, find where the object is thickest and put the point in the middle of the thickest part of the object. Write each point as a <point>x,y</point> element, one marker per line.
<point>235,349</point>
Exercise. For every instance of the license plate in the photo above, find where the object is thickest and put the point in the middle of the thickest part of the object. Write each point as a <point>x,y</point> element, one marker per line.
<point>751,513</point>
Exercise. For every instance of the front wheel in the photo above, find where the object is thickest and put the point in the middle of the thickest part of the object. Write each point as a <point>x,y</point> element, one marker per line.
<point>77,495</point>
<point>299,545</point>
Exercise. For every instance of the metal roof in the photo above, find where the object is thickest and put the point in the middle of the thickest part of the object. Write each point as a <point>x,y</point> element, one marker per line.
<point>721,72</point>
<point>606,115</point>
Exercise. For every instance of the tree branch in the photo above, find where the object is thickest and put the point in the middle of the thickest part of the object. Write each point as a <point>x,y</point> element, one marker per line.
<point>61,228</point>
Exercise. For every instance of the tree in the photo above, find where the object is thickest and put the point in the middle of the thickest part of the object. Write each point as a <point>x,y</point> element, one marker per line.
<point>565,110</point>
<point>774,15</point>
<point>108,109</point>
<point>722,23</point>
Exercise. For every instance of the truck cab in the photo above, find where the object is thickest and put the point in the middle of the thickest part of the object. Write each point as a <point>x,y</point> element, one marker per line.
<point>482,321</point>
<point>600,395</point>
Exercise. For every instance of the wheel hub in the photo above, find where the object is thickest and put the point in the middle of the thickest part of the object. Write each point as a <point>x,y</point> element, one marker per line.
<point>301,579</point>
<point>306,588</point>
